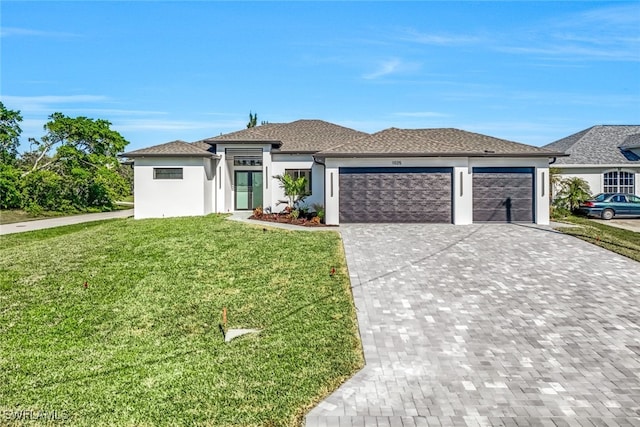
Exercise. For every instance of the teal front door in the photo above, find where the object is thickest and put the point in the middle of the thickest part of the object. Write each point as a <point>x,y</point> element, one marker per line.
<point>248,186</point>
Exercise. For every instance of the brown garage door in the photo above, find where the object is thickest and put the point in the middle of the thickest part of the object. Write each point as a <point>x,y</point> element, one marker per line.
<point>395,195</point>
<point>503,195</point>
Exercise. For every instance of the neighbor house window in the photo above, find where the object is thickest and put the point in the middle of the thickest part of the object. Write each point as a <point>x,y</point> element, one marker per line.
<point>619,182</point>
<point>298,173</point>
<point>167,173</point>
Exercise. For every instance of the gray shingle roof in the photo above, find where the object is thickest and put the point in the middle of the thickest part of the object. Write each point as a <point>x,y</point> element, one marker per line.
<point>301,136</point>
<point>599,145</point>
<point>263,133</point>
<point>204,146</point>
<point>172,149</point>
<point>434,142</point>
<point>632,141</point>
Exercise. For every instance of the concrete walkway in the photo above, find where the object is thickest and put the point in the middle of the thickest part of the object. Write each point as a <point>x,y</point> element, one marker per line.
<point>20,227</point>
<point>489,325</point>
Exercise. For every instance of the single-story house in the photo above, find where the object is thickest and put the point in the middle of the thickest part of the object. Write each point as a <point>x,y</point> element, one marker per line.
<point>395,175</point>
<point>606,157</point>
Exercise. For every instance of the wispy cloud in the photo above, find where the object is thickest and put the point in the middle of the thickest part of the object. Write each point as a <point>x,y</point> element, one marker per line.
<point>119,112</point>
<point>48,102</point>
<point>573,52</point>
<point>148,124</point>
<point>391,66</point>
<point>384,69</point>
<point>29,32</point>
<point>422,114</point>
<point>537,133</point>
<point>31,128</point>
<point>412,35</point>
<point>604,34</point>
<point>497,98</point>
<point>626,15</point>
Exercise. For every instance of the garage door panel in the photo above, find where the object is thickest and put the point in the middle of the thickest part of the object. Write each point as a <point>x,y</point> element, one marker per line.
<point>503,195</point>
<point>386,182</point>
<point>395,195</point>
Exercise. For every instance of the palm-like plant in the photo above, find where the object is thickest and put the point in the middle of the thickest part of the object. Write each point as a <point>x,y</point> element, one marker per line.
<point>574,191</point>
<point>555,182</point>
<point>294,188</point>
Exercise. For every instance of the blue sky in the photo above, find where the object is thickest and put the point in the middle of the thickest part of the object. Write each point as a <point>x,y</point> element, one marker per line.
<point>531,72</point>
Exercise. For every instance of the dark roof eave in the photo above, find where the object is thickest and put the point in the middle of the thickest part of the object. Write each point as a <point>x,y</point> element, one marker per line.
<point>212,141</point>
<point>294,151</point>
<point>133,155</point>
<point>370,155</point>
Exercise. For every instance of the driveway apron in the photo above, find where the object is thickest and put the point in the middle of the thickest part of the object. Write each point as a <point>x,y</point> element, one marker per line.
<point>498,325</point>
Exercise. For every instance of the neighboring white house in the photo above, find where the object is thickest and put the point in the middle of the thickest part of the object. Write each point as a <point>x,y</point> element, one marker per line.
<point>396,175</point>
<point>606,157</point>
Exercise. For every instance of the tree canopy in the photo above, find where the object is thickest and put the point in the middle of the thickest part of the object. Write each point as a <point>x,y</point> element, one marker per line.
<point>253,120</point>
<point>73,167</point>
<point>9,134</point>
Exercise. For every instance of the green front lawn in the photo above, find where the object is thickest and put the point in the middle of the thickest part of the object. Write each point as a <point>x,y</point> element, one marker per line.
<point>623,242</point>
<point>140,345</point>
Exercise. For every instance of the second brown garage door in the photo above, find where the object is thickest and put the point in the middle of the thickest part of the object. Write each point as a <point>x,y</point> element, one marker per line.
<point>395,195</point>
<point>503,195</point>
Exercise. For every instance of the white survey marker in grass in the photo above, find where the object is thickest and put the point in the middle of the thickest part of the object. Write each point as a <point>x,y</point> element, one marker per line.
<point>235,333</point>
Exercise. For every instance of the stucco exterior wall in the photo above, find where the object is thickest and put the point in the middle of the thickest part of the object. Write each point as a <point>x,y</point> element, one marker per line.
<point>160,198</point>
<point>594,175</point>
<point>462,193</point>
<point>208,187</point>
<point>282,162</point>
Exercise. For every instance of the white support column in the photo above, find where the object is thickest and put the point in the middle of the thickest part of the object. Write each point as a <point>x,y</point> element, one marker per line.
<point>542,195</point>
<point>462,195</point>
<point>332,205</point>
<point>220,182</point>
<point>267,180</point>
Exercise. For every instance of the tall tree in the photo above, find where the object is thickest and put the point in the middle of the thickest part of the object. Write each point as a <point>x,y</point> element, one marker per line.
<point>9,134</point>
<point>84,169</point>
<point>253,120</point>
<point>79,141</point>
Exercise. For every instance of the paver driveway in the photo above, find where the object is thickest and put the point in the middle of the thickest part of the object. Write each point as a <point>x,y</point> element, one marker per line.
<point>489,325</point>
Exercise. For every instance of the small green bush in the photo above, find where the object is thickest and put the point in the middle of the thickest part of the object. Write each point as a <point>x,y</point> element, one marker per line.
<point>42,190</point>
<point>10,197</point>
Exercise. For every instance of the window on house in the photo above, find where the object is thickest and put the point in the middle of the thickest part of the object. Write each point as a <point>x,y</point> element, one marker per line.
<point>619,182</point>
<point>167,173</point>
<point>247,161</point>
<point>297,173</point>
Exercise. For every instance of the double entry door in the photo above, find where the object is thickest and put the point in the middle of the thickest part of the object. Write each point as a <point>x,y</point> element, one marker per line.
<point>248,190</point>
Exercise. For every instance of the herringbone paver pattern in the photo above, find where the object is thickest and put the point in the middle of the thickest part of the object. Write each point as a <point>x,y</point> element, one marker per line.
<point>501,325</point>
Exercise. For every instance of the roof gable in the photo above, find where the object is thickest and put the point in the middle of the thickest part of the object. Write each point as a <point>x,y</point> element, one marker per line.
<point>171,149</point>
<point>434,142</point>
<point>599,145</point>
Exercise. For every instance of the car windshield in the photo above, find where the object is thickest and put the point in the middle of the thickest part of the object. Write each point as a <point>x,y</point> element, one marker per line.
<point>600,197</point>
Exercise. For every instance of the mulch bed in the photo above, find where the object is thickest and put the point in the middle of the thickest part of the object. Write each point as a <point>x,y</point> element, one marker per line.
<point>287,219</point>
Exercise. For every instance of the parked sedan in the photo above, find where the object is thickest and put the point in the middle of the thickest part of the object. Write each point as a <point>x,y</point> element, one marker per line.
<point>608,205</point>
